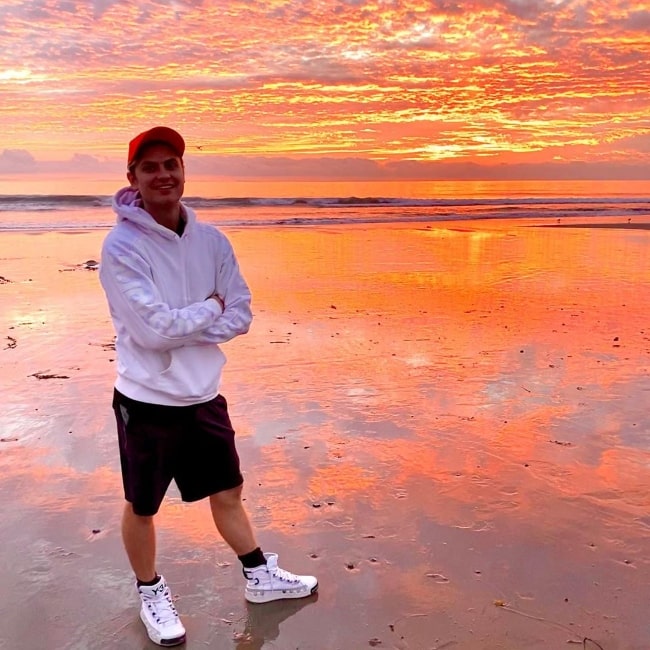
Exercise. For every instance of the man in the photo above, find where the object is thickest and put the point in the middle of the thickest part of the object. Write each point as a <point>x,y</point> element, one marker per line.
<point>175,293</point>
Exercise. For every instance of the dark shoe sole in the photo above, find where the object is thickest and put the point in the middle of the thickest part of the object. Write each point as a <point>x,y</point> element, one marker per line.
<point>170,642</point>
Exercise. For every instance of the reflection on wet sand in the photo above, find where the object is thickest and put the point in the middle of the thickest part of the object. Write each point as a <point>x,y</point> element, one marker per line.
<point>447,425</point>
<point>263,623</point>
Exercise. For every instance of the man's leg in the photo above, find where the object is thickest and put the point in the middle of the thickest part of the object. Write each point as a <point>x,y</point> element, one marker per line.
<point>139,537</point>
<point>216,456</point>
<point>158,612</point>
<point>232,521</point>
<point>266,581</point>
<point>144,433</point>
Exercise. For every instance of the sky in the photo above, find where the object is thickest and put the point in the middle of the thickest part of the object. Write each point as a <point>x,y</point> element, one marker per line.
<point>330,89</point>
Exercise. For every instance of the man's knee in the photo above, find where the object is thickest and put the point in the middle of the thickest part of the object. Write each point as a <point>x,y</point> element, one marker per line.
<point>131,515</point>
<point>227,498</point>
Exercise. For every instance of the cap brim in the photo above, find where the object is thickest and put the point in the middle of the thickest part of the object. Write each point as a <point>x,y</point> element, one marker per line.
<point>157,134</point>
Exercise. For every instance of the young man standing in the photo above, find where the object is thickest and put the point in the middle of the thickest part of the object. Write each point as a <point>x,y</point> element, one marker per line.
<point>175,293</point>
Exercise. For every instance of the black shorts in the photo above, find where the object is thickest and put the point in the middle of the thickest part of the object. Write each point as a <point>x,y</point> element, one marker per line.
<point>193,445</point>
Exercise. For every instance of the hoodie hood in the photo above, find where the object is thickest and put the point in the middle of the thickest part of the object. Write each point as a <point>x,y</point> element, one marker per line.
<point>127,205</point>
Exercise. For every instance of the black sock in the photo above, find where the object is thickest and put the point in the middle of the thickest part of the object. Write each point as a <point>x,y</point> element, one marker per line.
<point>252,559</point>
<point>148,583</point>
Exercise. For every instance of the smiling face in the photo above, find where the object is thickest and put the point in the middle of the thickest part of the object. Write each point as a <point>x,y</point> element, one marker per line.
<point>159,176</point>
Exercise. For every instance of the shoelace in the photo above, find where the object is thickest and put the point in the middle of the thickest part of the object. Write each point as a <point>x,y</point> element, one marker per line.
<point>286,576</point>
<point>162,608</point>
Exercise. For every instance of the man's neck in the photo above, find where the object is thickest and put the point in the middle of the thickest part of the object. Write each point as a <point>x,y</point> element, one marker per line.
<point>167,217</point>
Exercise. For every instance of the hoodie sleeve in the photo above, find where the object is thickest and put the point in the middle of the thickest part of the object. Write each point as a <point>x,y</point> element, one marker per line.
<point>134,301</point>
<point>231,286</point>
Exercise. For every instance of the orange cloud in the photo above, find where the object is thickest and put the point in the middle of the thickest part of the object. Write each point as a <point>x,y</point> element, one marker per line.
<point>482,82</point>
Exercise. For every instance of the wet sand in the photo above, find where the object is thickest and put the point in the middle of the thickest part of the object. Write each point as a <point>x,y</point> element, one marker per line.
<point>447,424</point>
<point>624,224</point>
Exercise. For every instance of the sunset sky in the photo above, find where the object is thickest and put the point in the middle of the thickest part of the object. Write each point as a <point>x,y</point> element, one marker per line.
<point>330,88</point>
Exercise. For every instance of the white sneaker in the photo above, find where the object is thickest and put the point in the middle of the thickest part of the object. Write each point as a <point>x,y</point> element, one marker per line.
<point>159,614</point>
<point>268,582</point>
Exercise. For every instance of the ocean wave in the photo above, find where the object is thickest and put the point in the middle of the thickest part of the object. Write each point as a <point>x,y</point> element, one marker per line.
<point>399,202</point>
<point>53,202</point>
<point>89,212</point>
<point>317,218</point>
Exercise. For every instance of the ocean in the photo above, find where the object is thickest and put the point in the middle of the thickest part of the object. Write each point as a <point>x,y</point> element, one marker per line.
<point>334,203</point>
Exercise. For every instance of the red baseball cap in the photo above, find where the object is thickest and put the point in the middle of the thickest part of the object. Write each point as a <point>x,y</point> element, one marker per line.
<point>157,134</point>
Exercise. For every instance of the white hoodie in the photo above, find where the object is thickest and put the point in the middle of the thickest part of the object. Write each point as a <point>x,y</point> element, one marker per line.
<point>157,285</point>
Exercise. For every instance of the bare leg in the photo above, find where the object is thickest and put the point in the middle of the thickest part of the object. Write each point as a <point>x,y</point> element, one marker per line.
<point>139,537</point>
<point>232,521</point>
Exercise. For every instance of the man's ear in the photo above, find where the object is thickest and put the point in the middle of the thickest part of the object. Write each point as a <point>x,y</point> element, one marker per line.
<point>132,180</point>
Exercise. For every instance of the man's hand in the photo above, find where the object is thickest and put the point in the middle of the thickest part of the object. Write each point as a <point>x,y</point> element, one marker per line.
<point>219,299</point>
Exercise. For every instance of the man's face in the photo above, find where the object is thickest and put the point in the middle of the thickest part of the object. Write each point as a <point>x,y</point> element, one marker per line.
<point>159,176</point>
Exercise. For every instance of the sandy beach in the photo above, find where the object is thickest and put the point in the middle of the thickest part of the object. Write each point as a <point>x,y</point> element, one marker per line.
<point>447,424</point>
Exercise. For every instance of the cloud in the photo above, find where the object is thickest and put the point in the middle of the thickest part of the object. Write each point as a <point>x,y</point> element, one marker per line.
<point>638,21</point>
<point>16,160</point>
<point>351,79</point>
<point>640,143</point>
<point>20,162</point>
<point>85,163</point>
<point>284,167</point>
<point>360,169</point>
<point>530,10</point>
